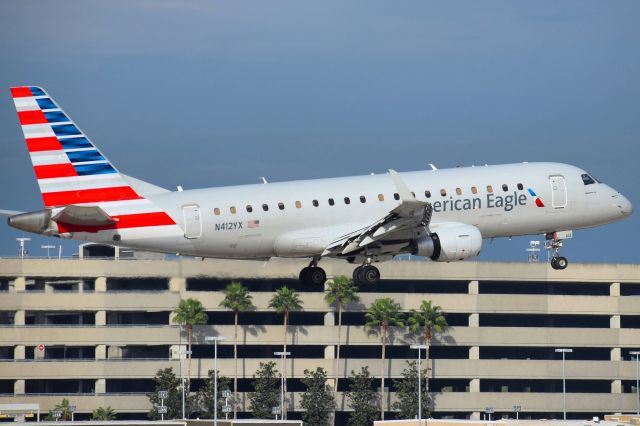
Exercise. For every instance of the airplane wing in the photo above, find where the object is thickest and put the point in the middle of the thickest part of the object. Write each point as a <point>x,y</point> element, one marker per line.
<point>9,212</point>
<point>410,214</point>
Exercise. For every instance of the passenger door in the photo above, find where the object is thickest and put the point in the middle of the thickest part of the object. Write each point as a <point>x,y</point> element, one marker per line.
<point>192,221</point>
<point>558,192</point>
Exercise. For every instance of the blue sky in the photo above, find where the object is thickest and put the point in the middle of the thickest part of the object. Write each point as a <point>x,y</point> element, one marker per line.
<point>200,94</point>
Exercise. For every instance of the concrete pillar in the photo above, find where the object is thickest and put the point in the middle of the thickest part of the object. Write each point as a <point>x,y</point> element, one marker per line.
<point>474,320</point>
<point>19,352</point>
<point>474,352</point>
<point>474,287</point>
<point>475,415</point>
<point>474,385</point>
<point>101,386</point>
<point>177,284</point>
<point>330,318</point>
<point>101,351</point>
<point>20,284</point>
<point>329,352</point>
<point>101,284</point>
<point>614,289</point>
<point>19,318</point>
<point>48,288</point>
<point>18,387</point>
<point>614,322</point>
<point>174,351</point>
<point>172,315</point>
<point>101,318</point>
<point>616,354</point>
<point>616,386</point>
<point>114,352</point>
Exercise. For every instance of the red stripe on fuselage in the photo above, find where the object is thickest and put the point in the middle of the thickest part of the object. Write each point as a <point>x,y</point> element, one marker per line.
<point>96,195</point>
<point>50,143</point>
<point>138,220</point>
<point>21,92</point>
<point>32,117</point>
<point>55,171</point>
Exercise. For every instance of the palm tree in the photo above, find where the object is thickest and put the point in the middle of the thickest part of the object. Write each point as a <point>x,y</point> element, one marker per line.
<point>190,312</point>
<point>237,299</point>
<point>428,320</point>
<point>340,292</point>
<point>102,413</point>
<point>284,301</point>
<point>383,313</point>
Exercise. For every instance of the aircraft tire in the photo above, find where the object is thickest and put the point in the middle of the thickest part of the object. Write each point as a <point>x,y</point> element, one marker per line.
<point>304,275</point>
<point>355,276</point>
<point>316,276</point>
<point>561,263</point>
<point>369,275</point>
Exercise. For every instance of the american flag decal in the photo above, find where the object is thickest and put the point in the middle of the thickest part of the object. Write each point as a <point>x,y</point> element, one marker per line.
<point>253,224</point>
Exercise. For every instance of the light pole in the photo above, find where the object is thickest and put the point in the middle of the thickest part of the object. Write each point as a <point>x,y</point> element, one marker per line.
<point>282,356</point>
<point>637,354</point>
<point>22,252</point>
<point>517,409</point>
<point>215,340</point>
<point>183,352</point>
<point>564,387</point>
<point>419,348</point>
<point>48,246</point>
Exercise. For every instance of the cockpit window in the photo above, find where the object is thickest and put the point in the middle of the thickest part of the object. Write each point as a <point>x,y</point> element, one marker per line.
<point>587,180</point>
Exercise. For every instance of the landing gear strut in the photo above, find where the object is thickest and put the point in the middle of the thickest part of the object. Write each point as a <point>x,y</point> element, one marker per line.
<point>557,262</point>
<point>313,274</point>
<point>366,274</point>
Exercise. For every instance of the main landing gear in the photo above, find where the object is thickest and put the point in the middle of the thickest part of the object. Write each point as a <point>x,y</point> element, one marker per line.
<point>313,274</point>
<point>554,244</point>
<point>366,274</point>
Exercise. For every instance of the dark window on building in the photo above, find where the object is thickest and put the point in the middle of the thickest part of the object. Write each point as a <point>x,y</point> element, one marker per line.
<point>347,200</point>
<point>315,203</point>
<point>60,318</point>
<point>542,353</point>
<point>4,284</point>
<point>542,320</point>
<point>7,317</point>
<point>6,352</point>
<point>254,285</point>
<point>60,386</point>
<point>630,321</point>
<point>544,385</point>
<point>130,385</point>
<point>630,289</point>
<point>116,318</point>
<point>137,284</point>
<point>145,352</point>
<point>544,287</point>
<point>67,352</point>
<point>449,385</point>
<point>6,387</point>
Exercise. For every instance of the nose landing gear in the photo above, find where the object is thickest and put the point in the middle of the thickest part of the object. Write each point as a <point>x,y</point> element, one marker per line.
<point>554,244</point>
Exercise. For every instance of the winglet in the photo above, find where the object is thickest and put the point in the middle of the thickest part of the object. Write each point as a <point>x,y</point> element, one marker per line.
<point>402,188</point>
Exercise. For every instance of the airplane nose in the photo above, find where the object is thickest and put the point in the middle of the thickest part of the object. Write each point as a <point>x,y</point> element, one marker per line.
<point>626,208</point>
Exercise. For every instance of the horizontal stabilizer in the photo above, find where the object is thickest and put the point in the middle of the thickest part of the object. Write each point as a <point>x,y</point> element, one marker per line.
<point>83,216</point>
<point>9,212</point>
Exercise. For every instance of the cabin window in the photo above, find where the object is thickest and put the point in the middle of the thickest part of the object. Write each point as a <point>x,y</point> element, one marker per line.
<point>427,194</point>
<point>520,187</point>
<point>331,202</point>
<point>489,189</point>
<point>216,211</point>
<point>249,208</point>
<point>505,187</point>
<point>396,196</point>
<point>443,192</point>
<point>298,204</point>
<point>347,200</point>
<point>265,207</point>
<point>315,203</point>
<point>381,197</point>
<point>474,190</point>
<point>232,209</point>
<point>363,199</point>
<point>459,191</point>
<point>281,206</point>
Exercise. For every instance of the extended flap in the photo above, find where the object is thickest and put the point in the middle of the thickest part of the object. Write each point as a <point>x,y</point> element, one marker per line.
<point>83,215</point>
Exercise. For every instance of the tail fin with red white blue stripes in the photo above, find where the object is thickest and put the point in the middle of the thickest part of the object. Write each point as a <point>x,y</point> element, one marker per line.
<point>71,170</point>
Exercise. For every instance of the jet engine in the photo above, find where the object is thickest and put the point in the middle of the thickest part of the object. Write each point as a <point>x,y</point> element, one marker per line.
<point>450,242</point>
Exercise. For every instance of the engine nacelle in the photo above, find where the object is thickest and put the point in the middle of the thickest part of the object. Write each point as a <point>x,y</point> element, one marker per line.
<point>38,222</point>
<point>450,243</point>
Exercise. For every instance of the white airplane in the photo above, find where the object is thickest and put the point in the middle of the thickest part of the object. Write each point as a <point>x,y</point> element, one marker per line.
<point>441,214</point>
